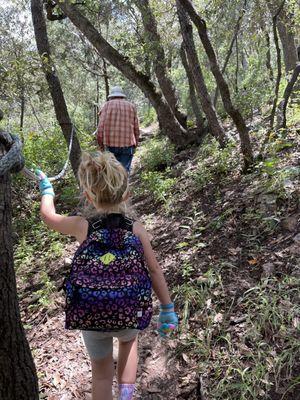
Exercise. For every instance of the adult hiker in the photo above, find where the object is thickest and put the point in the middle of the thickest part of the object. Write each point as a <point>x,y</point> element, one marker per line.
<point>118,129</point>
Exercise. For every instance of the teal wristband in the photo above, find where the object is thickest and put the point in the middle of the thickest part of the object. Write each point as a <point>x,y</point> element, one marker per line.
<point>166,307</point>
<point>48,191</point>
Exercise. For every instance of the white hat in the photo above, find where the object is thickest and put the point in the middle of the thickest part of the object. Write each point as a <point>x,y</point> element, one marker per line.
<point>116,91</point>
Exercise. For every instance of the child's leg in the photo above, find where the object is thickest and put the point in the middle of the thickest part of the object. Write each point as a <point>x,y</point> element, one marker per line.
<point>100,346</point>
<point>127,368</point>
<point>127,361</point>
<point>102,378</point>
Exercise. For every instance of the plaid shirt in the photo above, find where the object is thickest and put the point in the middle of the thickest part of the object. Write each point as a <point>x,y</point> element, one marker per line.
<point>118,124</point>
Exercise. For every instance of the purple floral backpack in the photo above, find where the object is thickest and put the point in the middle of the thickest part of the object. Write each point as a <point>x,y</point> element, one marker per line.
<point>109,287</point>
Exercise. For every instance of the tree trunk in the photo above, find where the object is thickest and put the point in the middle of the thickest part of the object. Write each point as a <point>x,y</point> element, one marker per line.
<point>193,97</point>
<point>288,45</point>
<point>236,82</point>
<point>106,79</point>
<point>207,106</point>
<point>281,117</point>
<point>60,107</point>
<point>159,59</point>
<point>279,72</point>
<point>230,48</point>
<point>286,35</point>
<point>268,57</point>
<point>222,84</point>
<point>18,379</point>
<point>22,100</point>
<point>167,121</point>
<point>96,106</point>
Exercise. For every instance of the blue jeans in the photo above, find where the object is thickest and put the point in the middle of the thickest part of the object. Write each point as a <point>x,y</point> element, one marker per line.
<point>123,154</point>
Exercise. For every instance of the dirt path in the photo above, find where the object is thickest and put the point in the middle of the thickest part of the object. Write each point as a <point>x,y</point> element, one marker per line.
<point>64,370</point>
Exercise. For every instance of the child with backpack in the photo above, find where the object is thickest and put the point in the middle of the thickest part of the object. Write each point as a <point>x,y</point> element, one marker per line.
<point>108,290</point>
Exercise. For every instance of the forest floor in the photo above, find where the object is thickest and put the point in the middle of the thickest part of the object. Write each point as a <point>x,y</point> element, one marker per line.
<point>229,245</point>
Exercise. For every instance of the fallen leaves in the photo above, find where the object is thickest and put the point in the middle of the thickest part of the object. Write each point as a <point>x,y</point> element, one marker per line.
<point>253,261</point>
<point>218,318</point>
<point>58,381</point>
<point>185,357</point>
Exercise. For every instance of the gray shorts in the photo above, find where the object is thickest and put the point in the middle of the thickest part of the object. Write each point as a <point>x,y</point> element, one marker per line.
<point>100,344</point>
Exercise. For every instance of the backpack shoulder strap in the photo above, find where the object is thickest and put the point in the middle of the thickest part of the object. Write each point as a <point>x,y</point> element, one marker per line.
<point>110,221</point>
<point>119,221</point>
<point>128,224</point>
<point>95,224</point>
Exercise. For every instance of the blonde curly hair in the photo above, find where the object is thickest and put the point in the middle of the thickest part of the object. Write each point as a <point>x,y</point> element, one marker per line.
<point>103,179</point>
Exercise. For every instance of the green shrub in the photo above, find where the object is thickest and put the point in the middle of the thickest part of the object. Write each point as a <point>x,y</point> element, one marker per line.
<point>214,162</point>
<point>157,184</point>
<point>255,88</point>
<point>48,153</point>
<point>37,241</point>
<point>69,192</point>
<point>148,117</point>
<point>157,154</point>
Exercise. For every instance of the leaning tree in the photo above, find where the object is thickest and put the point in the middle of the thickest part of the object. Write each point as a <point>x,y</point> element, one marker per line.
<point>18,379</point>
<point>60,106</point>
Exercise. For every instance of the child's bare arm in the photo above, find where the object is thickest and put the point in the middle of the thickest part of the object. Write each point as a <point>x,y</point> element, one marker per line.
<point>73,226</point>
<point>157,277</point>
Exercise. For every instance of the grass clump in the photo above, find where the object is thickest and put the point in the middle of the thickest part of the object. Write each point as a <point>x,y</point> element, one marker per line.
<point>251,359</point>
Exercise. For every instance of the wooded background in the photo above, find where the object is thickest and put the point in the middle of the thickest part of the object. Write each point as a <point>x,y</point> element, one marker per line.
<point>172,58</point>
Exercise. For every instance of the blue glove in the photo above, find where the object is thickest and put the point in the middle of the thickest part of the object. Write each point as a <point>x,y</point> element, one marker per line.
<point>168,320</point>
<point>44,183</point>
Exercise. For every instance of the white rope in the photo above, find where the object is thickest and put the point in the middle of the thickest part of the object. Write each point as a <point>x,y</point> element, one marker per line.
<point>32,175</point>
